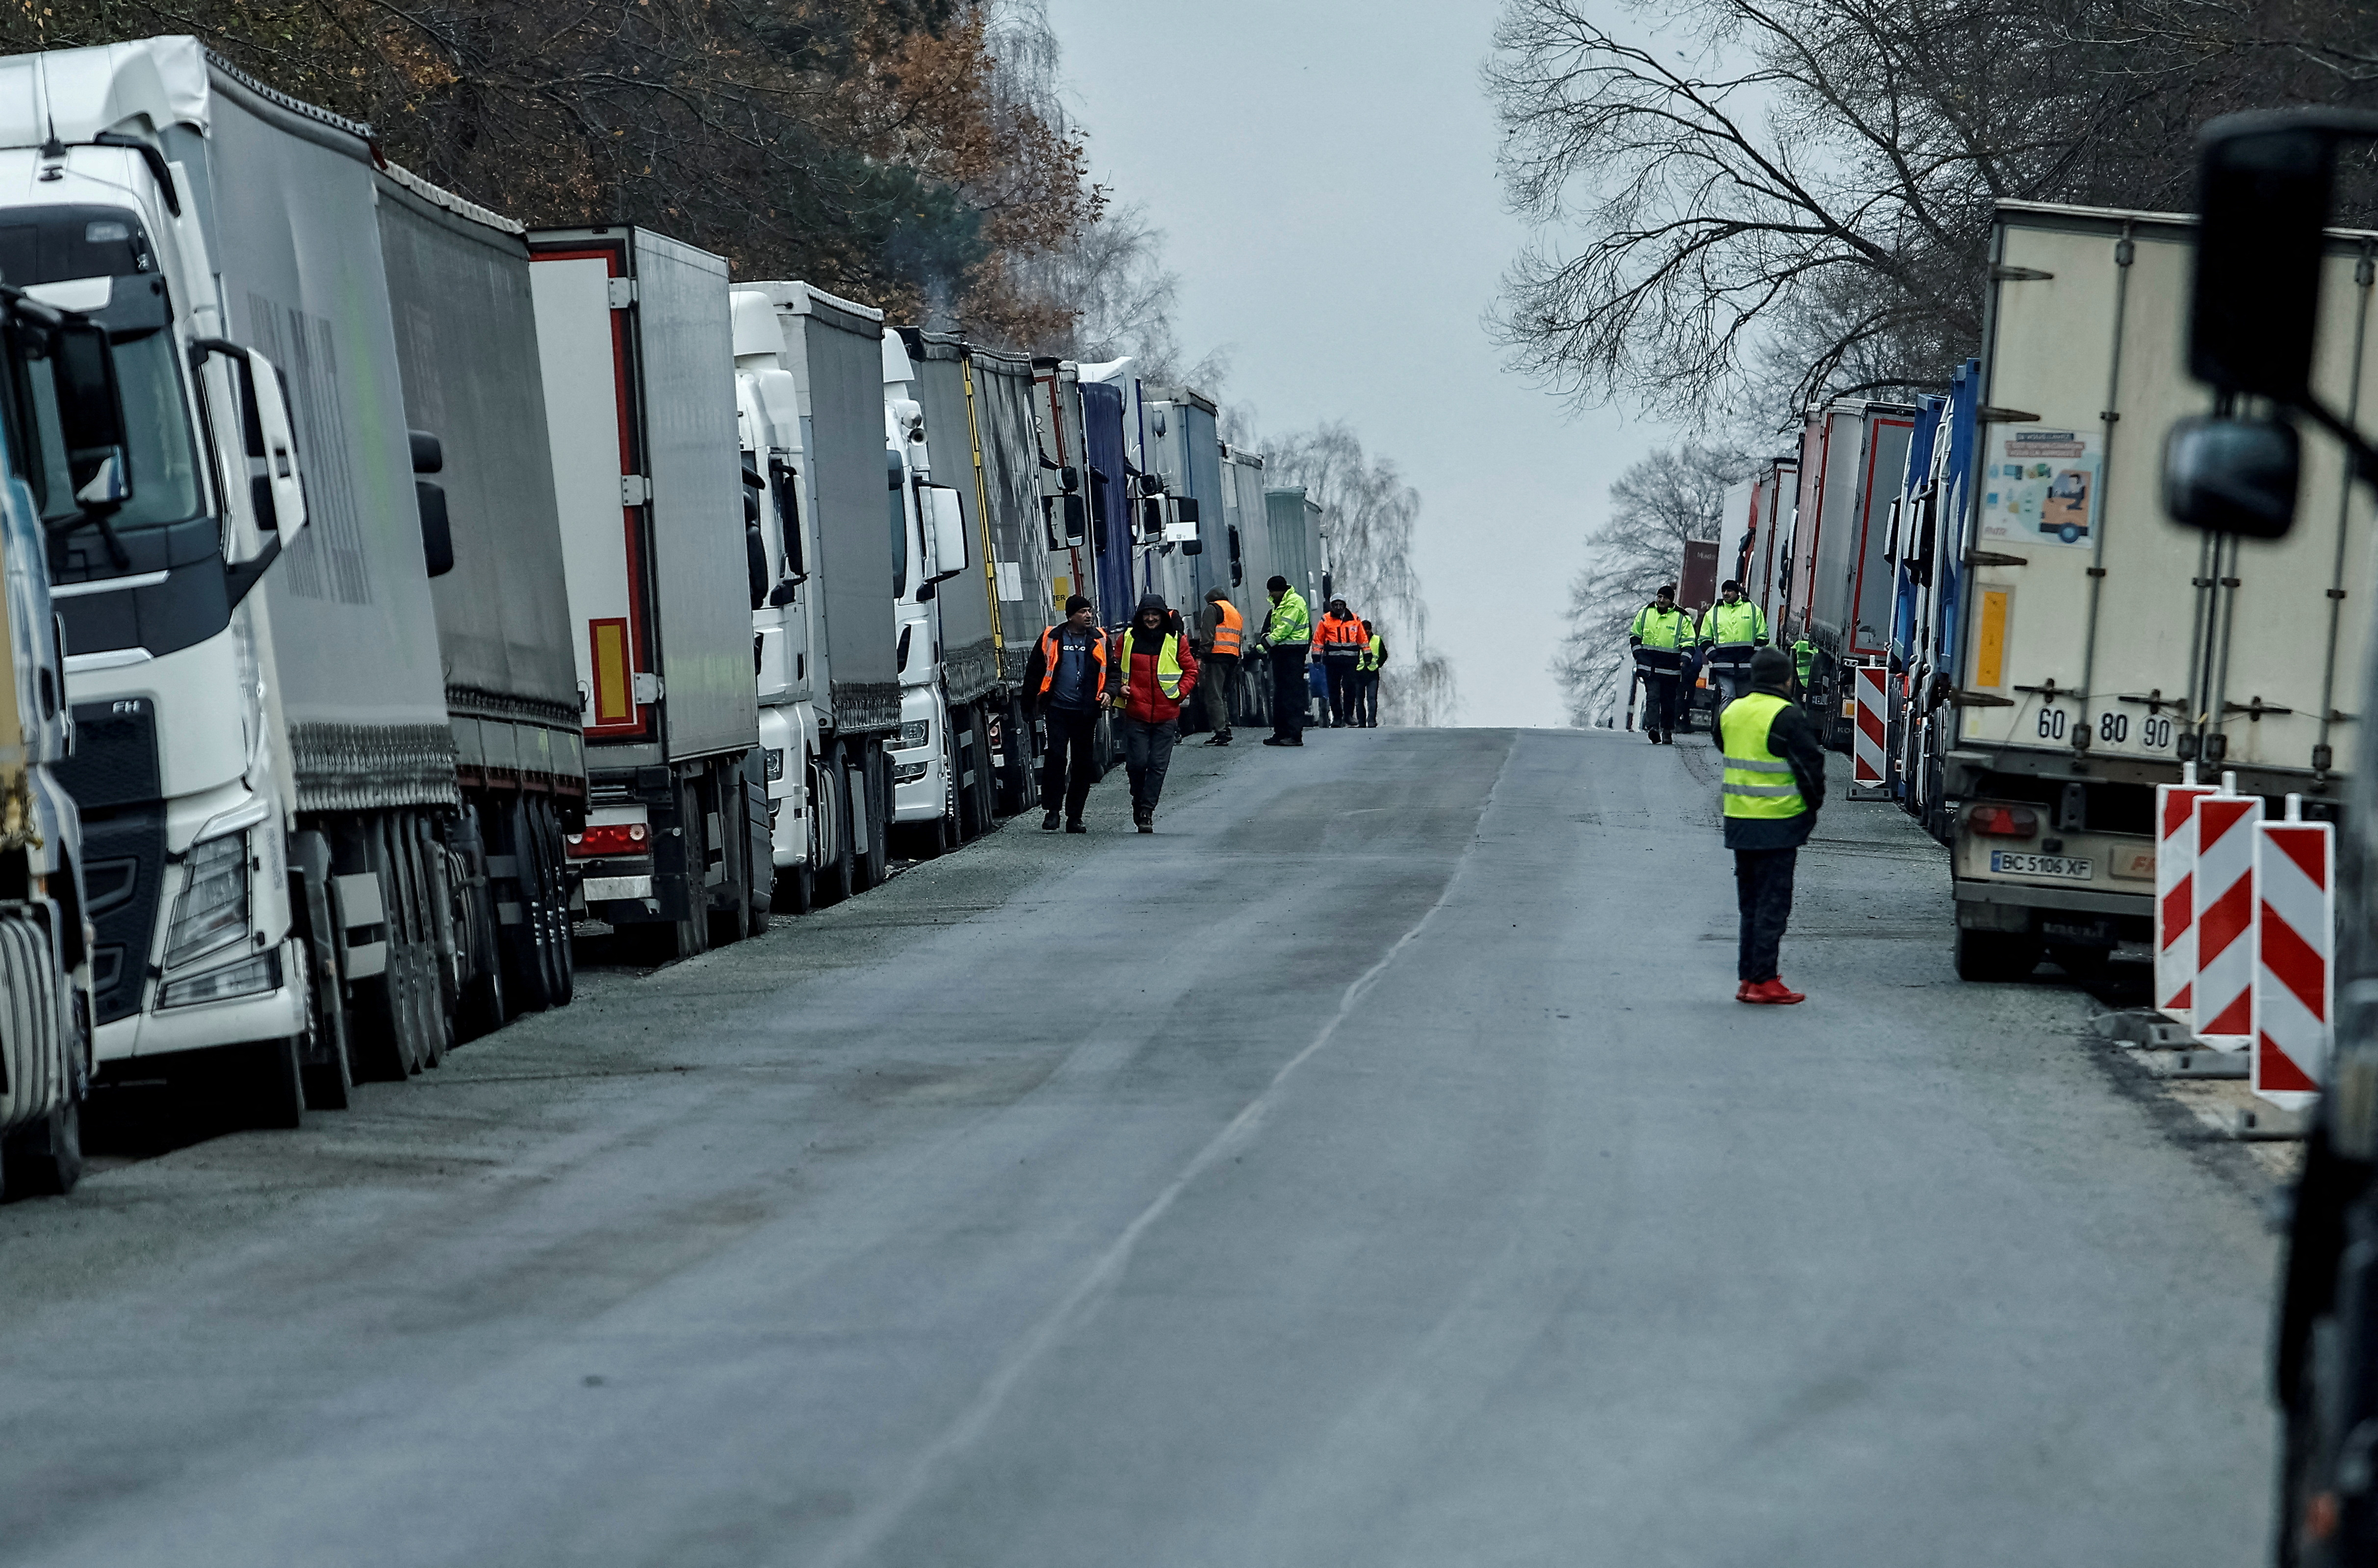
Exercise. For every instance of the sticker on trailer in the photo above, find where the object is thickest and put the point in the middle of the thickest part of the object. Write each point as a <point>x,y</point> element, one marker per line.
<point>2042,488</point>
<point>2295,943</point>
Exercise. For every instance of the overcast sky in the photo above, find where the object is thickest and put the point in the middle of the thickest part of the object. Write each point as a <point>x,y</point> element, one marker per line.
<point>1324,173</point>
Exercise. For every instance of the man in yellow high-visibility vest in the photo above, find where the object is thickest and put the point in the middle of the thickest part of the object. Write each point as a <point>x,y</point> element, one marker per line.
<point>1775,787</point>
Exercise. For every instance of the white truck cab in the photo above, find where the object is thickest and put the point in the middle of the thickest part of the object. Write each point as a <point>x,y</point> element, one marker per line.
<point>930,545</point>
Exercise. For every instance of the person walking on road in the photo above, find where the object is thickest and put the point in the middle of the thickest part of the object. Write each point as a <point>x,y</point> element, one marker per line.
<point>1219,627</point>
<point>1340,639</point>
<point>1774,787</point>
<point>1158,673</point>
<point>1066,680</point>
<point>1660,635</point>
<point>1734,629</point>
<point>1366,670</point>
<point>1287,639</point>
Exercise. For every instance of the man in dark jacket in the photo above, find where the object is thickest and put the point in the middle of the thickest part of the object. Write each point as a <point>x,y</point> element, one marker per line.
<point>1156,671</point>
<point>1775,787</point>
<point>1065,681</point>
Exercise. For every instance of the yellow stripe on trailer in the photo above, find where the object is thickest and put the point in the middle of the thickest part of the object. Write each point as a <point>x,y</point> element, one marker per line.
<point>1990,658</point>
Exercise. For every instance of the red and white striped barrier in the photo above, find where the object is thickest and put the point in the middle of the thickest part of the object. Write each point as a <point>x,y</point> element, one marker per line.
<point>1869,765</point>
<point>2221,1007</point>
<point>2295,981</point>
<point>2175,912</point>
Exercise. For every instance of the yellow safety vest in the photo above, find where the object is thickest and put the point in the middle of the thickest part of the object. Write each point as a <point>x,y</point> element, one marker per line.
<point>1758,784</point>
<point>1734,625</point>
<point>1168,664</point>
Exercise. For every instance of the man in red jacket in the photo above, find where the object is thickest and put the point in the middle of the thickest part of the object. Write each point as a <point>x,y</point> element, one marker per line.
<point>1159,673</point>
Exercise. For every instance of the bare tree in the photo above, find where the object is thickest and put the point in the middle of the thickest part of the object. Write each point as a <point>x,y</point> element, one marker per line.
<point>1816,172</point>
<point>1656,507</point>
<point>1369,515</point>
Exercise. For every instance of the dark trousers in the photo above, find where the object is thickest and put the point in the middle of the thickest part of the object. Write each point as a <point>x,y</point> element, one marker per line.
<point>1217,679</point>
<point>1660,701</point>
<point>1762,887</point>
<point>1288,693</point>
<point>1341,675</point>
<point>1147,753</point>
<point>1071,768</point>
<point>1366,699</point>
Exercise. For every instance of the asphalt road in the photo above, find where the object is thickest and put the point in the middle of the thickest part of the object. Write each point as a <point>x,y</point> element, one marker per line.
<point>1370,1168</point>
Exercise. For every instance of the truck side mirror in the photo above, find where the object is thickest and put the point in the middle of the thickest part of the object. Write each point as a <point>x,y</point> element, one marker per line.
<point>1077,517</point>
<point>90,414</point>
<point>945,522</point>
<point>436,536</point>
<point>2233,475</point>
<point>429,452</point>
<point>1193,546</point>
<point>2264,194</point>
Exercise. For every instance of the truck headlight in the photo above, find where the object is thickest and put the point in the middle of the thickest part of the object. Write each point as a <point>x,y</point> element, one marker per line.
<point>775,758</point>
<point>210,912</point>
<point>915,733</point>
<point>907,772</point>
<point>261,973</point>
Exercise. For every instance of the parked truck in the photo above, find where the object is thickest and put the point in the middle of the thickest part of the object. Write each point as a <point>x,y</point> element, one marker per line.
<point>635,340</point>
<point>2101,647</point>
<point>56,364</point>
<point>833,349</point>
<point>264,758</point>
<point>1853,460</point>
<point>934,546</point>
<point>978,462</point>
<point>459,287</point>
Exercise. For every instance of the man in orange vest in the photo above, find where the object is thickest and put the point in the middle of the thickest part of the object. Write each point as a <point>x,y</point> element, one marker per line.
<point>1220,626</point>
<point>1340,639</point>
<point>1065,681</point>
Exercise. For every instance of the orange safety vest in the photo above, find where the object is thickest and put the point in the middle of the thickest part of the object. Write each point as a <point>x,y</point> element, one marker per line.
<point>1226,636</point>
<point>1349,631</point>
<point>1049,660</point>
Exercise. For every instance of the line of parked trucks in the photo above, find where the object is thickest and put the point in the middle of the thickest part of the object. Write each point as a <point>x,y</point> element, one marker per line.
<point>2053,646</point>
<point>389,587</point>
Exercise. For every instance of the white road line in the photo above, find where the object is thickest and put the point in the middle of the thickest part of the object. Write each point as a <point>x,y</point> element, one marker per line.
<point>873,1523</point>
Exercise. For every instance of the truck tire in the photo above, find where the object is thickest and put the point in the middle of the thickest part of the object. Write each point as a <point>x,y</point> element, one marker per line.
<point>1995,956</point>
<point>839,878</point>
<point>329,1084</point>
<point>733,923</point>
<point>869,868</point>
<point>559,954</point>
<point>43,1158</point>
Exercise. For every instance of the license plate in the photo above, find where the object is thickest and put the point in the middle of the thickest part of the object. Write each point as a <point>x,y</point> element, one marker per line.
<point>2072,868</point>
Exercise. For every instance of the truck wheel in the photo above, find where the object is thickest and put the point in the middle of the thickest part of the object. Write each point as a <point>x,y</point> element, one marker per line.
<point>733,923</point>
<point>1995,956</point>
<point>329,1085</point>
<point>44,1157</point>
<point>273,1083</point>
<point>872,799</point>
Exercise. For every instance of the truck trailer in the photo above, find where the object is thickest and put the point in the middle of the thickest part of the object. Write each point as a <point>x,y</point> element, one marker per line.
<point>265,759</point>
<point>466,342</point>
<point>636,342</point>
<point>2102,646</point>
<point>1853,461</point>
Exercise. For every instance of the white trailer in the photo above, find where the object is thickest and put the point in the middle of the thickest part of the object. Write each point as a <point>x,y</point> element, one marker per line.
<point>2102,646</point>
<point>635,335</point>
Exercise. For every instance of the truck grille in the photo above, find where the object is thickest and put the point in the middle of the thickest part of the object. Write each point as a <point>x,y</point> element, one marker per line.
<point>113,777</point>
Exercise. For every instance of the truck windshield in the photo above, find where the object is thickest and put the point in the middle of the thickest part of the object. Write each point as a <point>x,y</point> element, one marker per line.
<point>163,461</point>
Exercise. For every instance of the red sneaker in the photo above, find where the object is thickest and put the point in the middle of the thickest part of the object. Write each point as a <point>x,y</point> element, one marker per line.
<point>1772,992</point>
<point>1741,993</point>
